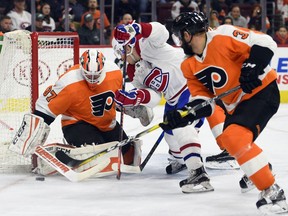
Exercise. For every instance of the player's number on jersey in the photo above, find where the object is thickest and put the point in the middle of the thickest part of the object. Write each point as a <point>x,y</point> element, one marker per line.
<point>243,35</point>
<point>49,93</point>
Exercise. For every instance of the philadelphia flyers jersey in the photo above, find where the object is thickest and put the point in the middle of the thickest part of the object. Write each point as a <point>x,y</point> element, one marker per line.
<point>71,97</point>
<point>218,69</point>
<point>160,72</point>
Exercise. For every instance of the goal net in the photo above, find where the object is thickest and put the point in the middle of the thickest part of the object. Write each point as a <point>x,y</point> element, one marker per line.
<point>29,62</point>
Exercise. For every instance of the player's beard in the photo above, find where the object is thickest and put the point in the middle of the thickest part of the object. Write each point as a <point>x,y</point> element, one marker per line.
<point>187,49</point>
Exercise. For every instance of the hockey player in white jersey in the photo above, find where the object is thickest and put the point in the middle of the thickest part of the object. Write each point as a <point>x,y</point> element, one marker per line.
<point>154,68</point>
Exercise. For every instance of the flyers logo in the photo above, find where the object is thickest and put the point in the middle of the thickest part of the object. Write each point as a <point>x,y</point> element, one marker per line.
<point>212,78</point>
<point>157,80</point>
<point>101,102</point>
<point>242,34</point>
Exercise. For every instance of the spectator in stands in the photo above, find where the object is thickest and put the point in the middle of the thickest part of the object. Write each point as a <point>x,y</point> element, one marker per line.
<point>5,24</point>
<point>281,36</point>
<point>92,9</point>
<point>21,18</point>
<point>214,22</point>
<point>61,26</point>
<point>48,22</point>
<point>255,20</point>
<point>228,20</point>
<point>238,19</point>
<point>282,6</point>
<point>132,7</point>
<point>181,6</point>
<point>38,23</point>
<point>89,34</point>
<point>126,18</point>
<point>77,9</point>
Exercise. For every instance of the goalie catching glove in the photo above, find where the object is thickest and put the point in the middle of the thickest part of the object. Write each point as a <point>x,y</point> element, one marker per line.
<point>174,119</point>
<point>32,132</point>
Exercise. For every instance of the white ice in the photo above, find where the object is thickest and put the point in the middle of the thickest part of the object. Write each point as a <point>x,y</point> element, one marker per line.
<point>151,193</point>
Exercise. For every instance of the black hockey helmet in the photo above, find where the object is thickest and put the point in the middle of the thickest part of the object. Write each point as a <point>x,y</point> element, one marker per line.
<point>192,22</point>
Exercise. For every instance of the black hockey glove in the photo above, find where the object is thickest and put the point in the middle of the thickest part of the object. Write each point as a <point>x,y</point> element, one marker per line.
<point>249,76</point>
<point>175,120</point>
<point>253,67</point>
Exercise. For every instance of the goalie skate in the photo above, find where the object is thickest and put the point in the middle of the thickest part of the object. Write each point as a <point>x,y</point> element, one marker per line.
<point>145,114</point>
<point>174,167</point>
<point>198,181</point>
<point>272,201</point>
<point>222,161</point>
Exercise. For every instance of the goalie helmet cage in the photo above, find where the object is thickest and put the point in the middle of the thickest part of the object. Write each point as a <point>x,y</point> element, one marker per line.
<point>30,62</point>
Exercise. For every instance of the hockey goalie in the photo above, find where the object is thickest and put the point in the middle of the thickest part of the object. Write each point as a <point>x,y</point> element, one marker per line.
<point>84,97</point>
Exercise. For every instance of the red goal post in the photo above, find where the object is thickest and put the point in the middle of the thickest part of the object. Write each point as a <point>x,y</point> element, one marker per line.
<point>30,62</point>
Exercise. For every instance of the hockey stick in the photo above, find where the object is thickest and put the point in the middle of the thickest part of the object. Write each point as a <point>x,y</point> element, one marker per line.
<point>118,176</point>
<point>6,125</point>
<point>124,142</point>
<point>192,110</point>
<point>73,163</point>
<point>67,171</point>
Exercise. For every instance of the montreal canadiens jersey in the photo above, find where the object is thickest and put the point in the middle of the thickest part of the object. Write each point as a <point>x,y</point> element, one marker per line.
<point>71,97</point>
<point>162,63</point>
<point>219,68</point>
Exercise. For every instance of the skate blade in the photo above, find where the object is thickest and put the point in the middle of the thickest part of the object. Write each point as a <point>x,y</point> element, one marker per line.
<point>227,165</point>
<point>280,208</point>
<point>200,188</point>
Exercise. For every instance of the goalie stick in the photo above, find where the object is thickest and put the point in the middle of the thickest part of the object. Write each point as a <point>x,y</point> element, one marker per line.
<point>67,171</point>
<point>74,163</point>
<point>124,142</point>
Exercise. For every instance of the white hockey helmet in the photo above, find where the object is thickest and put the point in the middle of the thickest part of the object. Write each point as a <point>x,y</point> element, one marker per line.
<point>92,63</point>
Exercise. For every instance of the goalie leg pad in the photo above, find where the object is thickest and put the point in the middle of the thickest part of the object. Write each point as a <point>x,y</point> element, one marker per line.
<point>32,132</point>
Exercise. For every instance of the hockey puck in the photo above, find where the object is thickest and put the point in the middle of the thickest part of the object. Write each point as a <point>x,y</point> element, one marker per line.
<point>40,178</point>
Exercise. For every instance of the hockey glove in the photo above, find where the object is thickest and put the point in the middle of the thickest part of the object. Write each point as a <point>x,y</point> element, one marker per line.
<point>253,67</point>
<point>249,76</point>
<point>125,33</point>
<point>129,98</point>
<point>175,120</point>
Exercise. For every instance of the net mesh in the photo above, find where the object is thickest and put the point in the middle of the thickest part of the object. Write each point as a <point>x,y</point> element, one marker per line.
<point>55,56</point>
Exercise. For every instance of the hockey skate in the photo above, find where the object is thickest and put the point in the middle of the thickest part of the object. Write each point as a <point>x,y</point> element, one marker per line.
<point>198,181</point>
<point>272,201</point>
<point>246,184</point>
<point>222,161</point>
<point>174,167</point>
<point>145,114</point>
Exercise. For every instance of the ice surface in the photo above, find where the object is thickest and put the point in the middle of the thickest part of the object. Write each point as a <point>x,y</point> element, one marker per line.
<point>151,193</point>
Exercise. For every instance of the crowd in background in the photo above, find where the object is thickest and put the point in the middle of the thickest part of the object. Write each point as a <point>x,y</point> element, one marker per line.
<point>84,15</point>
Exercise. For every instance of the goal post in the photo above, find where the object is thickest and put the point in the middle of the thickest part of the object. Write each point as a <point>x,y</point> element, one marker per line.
<point>29,63</point>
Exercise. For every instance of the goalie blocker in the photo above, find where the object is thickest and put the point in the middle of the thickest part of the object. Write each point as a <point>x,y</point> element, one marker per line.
<point>32,132</point>
<point>132,158</point>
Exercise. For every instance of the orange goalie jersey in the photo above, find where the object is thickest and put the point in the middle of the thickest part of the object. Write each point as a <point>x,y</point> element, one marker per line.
<point>71,97</point>
<point>227,47</point>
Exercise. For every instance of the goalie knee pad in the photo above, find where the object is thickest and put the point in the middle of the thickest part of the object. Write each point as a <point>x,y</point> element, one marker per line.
<point>32,132</point>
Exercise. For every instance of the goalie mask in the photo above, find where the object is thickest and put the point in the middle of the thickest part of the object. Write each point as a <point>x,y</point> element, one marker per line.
<point>92,63</point>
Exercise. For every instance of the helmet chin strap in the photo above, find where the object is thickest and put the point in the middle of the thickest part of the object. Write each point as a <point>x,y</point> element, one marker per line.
<point>132,56</point>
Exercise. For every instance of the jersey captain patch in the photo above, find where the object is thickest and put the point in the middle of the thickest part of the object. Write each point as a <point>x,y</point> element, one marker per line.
<point>212,78</point>
<point>101,102</point>
<point>157,80</point>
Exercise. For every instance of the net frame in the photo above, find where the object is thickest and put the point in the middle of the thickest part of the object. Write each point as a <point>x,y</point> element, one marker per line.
<point>9,161</point>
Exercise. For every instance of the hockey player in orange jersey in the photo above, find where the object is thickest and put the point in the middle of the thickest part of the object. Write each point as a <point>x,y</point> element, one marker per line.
<point>84,97</point>
<point>219,60</point>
